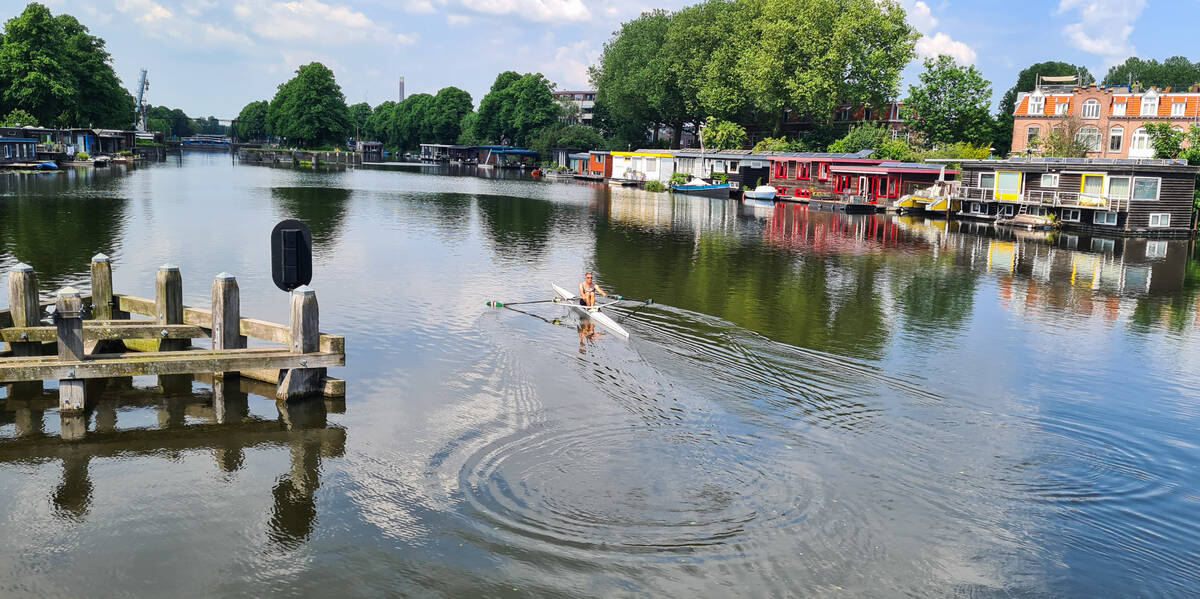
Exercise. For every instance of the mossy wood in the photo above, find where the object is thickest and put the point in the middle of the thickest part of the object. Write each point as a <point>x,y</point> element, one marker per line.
<point>160,363</point>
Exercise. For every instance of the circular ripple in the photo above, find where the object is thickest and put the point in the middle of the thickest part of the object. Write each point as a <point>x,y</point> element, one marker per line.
<point>633,488</point>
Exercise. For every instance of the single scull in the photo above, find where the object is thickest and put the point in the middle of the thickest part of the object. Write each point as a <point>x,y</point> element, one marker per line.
<point>594,312</point>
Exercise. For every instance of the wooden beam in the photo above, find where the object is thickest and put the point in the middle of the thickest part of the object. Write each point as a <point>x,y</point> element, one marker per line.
<point>161,363</point>
<point>6,319</point>
<point>92,331</point>
<point>333,387</point>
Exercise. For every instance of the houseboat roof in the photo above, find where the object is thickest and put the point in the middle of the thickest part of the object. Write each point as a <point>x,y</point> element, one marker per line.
<point>579,155</point>
<point>1048,163</point>
<point>842,156</point>
<point>437,145</point>
<point>892,167</point>
<point>17,139</point>
<point>650,153</point>
<point>602,152</point>
<point>722,154</point>
<point>516,152</point>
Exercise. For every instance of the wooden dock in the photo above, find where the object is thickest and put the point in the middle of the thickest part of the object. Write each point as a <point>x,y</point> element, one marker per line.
<point>97,337</point>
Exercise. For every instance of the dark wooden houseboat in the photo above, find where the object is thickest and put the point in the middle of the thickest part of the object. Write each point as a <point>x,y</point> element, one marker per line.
<point>805,176</point>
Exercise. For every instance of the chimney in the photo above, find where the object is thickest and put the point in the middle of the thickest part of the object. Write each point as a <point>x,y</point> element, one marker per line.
<point>1194,88</point>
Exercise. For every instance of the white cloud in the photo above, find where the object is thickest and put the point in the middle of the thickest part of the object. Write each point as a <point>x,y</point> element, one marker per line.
<point>570,65</point>
<point>419,6</point>
<point>308,20</point>
<point>407,39</point>
<point>533,10</point>
<point>219,35</point>
<point>919,15</point>
<point>1104,26</point>
<point>147,11</point>
<point>455,20</point>
<point>940,43</point>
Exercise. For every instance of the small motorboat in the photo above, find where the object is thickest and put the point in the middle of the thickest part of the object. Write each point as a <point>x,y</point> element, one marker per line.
<point>100,161</point>
<point>762,192</point>
<point>48,165</point>
<point>702,188</point>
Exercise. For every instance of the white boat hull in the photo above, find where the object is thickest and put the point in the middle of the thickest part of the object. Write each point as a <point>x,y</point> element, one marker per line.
<point>594,312</point>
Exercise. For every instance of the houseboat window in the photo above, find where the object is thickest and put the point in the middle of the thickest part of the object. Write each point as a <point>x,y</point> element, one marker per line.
<point>1089,137</point>
<point>1071,214</point>
<point>1050,180</point>
<point>7,151</point>
<point>1118,188</point>
<point>1031,135</point>
<point>1160,219</point>
<point>1008,210</point>
<point>1092,186</point>
<point>1061,106</point>
<point>651,164</point>
<point>823,171</point>
<point>976,208</point>
<point>1091,109</point>
<point>1156,249</point>
<point>733,166</point>
<point>1114,139</point>
<point>987,180</point>
<point>1105,218</point>
<point>1145,188</point>
<point>1036,102</point>
<point>1177,108</point>
<point>1149,105</point>
<point>1119,109</point>
<point>803,170</point>
<point>1008,183</point>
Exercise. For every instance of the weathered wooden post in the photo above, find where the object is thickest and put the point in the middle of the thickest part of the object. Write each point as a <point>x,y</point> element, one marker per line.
<point>68,318</point>
<point>102,288</point>
<point>226,316</point>
<point>26,312</point>
<point>301,382</point>
<point>168,309</point>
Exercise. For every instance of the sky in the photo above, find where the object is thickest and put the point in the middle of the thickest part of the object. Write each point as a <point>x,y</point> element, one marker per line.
<point>211,57</point>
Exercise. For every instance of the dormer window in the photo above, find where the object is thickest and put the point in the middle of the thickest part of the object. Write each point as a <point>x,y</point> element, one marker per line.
<point>1150,103</point>
<point>1119,108</point>
<point>1061,107</point>
<point>1091,109</point>
<point>1036,102</point>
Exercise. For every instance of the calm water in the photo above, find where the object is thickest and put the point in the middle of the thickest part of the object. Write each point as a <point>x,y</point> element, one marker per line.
<point>816,404</point>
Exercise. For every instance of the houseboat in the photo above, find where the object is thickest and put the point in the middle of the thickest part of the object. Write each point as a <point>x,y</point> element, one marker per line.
<point>742,169</point>
<point>635,168</point>
<point>505,157</point>
<point>435,152</point>
<point>1115,196</point>
<point>804,176</point>
<point>872,187</point>
<point>17,150</point>
<point>599,166</point>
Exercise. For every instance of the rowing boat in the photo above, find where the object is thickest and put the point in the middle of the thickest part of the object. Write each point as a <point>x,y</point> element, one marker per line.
<point>594,312</point>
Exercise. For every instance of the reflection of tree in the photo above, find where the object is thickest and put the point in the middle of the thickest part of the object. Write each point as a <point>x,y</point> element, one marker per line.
<point>450,212</point>
<point>323,209</point>
<point>785,297</point>
<point>935,293</point>
<point>58,233</point>
<point>519,227</point>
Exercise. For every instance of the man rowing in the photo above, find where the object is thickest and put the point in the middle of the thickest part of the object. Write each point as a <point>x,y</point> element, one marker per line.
<point>588,289</point>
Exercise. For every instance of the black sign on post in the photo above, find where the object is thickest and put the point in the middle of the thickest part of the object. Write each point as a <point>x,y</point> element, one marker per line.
<point>291,254</point>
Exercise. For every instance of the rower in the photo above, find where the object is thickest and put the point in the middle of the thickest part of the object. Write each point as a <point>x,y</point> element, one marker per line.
<point>588,289</point>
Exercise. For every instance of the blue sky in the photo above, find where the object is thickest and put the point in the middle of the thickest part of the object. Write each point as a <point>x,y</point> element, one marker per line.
<point>211,57</point>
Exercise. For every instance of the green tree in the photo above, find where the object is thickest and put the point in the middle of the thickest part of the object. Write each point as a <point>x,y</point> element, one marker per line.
<point>701,50</point>
<point>1064,141</point>
<point>868,136</point>
<point>450,105</point>
<point>516,107</point>
<point>19,118</point>
<point>1176,71</point>
<point>467,127</point>
<point>951,103</point>
<point>52,68</point>
<point>814,56</point>
<point>561,135</point>
<point>633,81</point>
<point>778,144</point>
<point>409,124</point>
<point>723,135</point>
<point>172,122</point>
<point>359,115</point>
<point>251,123</point>
<point>310,108</point>
<point>380,122</point>
<point>1026,81</point>
<point>1167,140</point>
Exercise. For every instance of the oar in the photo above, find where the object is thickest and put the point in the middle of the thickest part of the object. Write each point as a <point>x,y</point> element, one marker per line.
<point>621,298</point>
<point>537,316</point>
<point>496,304</point>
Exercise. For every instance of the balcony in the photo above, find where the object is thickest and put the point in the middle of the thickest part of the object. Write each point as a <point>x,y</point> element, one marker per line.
<point>1048,199</point>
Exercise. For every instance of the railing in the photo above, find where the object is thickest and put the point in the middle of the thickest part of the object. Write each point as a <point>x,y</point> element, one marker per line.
<point>1068,199</point>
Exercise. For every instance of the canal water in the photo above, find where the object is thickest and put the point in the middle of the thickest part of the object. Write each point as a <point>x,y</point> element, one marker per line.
<point>814,405</point>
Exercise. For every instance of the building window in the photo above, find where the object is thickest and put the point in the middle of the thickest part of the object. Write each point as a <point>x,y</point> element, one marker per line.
<point>1089,137</point>
<point>1114,138</point>
<point>843,114</point>
<point>1070,214</point>
<point>733,166</point>
<point>1177,108</point>
<point>1118,188</point>
<point>802,171</point>
<point>1031,135</point>
<point>1119,109</point>
<point>976,208</point>
<point>1091,109</point>
<point>1036,102</point>
<point>1007,210</point>
<point>1061,106</point>
<point>1145,188</point>
<point>1141,142</point>
<point>823,171</point>
<point>1156,249</point>
<point>1105,218</point>
<point>1160,219</point>
<point>1050,180</point>
<point>1150,104</point>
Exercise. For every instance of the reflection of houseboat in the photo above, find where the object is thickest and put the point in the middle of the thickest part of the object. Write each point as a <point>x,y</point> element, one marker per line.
<point>872,187</point>
<point>803,176</point>
<point>599,166</point>
<point>742,169</point>
<point>1150,197</point>
<point>635,168</point>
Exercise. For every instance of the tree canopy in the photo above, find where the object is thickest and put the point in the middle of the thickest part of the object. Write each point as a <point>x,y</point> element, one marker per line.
<point>723,135</point>
<point>251,122</point>
<point>1026,81</point>
<point>516,107</point>
<point>52,68</point>
<point>172,122</point>
<point>19,118</point>
<point>1177,71</point>
<point>310,108</point>
<point>950,104</point>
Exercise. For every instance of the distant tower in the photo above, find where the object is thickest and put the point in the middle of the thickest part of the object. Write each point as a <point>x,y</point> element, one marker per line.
<point>402,89</point>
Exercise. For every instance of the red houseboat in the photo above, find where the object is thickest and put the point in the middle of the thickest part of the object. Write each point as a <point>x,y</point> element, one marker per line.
<point>872,187</point>
<point>805,176</point>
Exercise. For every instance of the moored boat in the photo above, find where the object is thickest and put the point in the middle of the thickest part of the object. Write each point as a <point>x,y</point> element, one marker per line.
<point>700,187</point>
<point>762,192</point>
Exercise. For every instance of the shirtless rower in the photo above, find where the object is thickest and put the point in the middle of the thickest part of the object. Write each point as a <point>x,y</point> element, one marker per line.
<point>587,291</point>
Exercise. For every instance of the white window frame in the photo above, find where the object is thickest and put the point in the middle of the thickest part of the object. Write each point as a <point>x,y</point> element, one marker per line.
<point>1089,136</point>
<point>1117,133</point>
<point>1101,217</point>
<point>1149,105</point>
<point>977,208</point>
<point>1091,109</point>
<point>1060,108</point>
<point>1178,108</point>
<point>1050,180</point>
<point>1163,219</point>
<point>1032,133</point>
<point>1108,185</point>
<point>1140,142</point>
<point>1156,249</point>
<point>1157,188</point>
<point>1119,108</point>
<point>1007,210</point>
<point>1037,103</point>
<point>1071,215</point>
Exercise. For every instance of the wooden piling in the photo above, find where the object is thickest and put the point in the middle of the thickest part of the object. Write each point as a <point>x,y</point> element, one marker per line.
<point>302,382</point>
<point>168,309</point>
<point>102,288</point>
<point>68,317</point>
<point>226,316</point>
<point>26,312</point>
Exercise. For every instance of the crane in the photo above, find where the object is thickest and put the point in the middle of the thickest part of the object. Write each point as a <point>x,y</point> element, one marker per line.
<point>143,85</point>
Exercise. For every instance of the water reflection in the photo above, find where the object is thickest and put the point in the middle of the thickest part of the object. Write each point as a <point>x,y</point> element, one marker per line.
<point>323,209</point>
<point>518,227</point>
<point>218,420</point>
